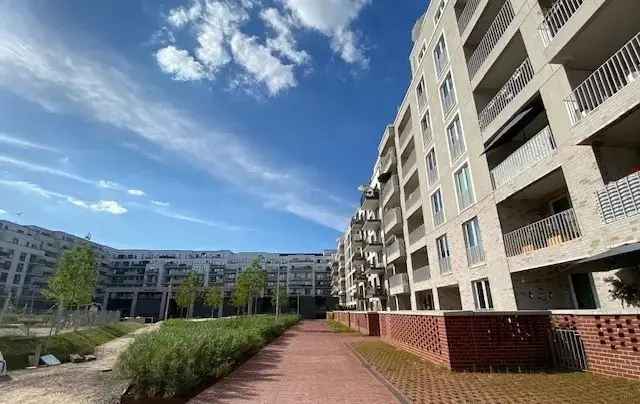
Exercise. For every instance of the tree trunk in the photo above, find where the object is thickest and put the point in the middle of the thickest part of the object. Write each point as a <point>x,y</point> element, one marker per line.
<point>220,308</point>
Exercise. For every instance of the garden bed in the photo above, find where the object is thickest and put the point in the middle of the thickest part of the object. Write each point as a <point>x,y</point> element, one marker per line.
<point>183,356</point>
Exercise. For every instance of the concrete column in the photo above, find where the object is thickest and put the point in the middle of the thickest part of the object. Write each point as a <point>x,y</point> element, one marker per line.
<point>134,302</point>
<point>163,302</point>
<point>105,300</point>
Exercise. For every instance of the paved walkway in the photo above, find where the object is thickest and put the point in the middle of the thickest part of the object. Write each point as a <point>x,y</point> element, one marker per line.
<point>308,364</point>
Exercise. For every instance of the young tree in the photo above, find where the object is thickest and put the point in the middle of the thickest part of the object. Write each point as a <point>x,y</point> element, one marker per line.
<point>283,299</point>
<point>249,285</point>
<point>188,292</point>
<point>75,278</point>
<point>214,297</point>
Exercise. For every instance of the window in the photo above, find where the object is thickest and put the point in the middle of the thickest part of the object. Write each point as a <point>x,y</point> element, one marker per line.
<point>444,254</point>
<point>425,127</point>
<point>440,10</point>
<point>482,294</point>
<point>16,279</point>
<point>423,49</point>
<point>437,208</point>
<point>440,56</point>
<point>23,257</point>
<point>447,94</point>
<point>20,267</point>
<point>473,242</point>
<point>3,277</point>
<point>432,167</point>
<point>455,138</point>
<point>464,187</point>
<point>421,94</point>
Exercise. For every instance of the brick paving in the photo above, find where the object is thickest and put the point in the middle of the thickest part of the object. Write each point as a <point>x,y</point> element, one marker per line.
<point>423,382</point>
<point>308,364</point>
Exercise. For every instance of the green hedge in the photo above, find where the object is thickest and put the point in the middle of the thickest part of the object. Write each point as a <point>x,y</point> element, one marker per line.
<point>183,355</point>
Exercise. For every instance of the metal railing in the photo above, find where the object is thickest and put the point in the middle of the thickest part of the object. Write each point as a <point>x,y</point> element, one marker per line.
<point>441,62</point>
<point>620,199</point>
<point>456,148</point>
<point>556,17</point>
<point>491,38</point>
<point>432,175</point>
<point>445,264</point>
<point>395,250</point>
<point>467,13</point>
<point>553,230</point>
<point>392,218</point>
<point>475,255</point>
<point>413,198</point>
<point>568,349</point>
<point>389,188</point>
<point>399,283</point>
<point>520,78</point>
<point>448,101</point>
<point>536,149</point>
<point>465,199</point>
<point>427,136</point>
<point>409,164</point>
<point>416,235</point>
<point>617,72</point>
<point>421,274</point>
<point>438,218</point>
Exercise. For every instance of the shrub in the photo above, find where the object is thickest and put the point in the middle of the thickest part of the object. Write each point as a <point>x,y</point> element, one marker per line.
<point>182,355</point>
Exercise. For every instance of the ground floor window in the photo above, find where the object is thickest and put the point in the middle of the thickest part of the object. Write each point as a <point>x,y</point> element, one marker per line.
<point>482,294</point>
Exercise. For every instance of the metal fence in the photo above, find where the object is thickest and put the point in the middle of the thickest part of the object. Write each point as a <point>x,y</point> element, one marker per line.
<point>491,38</point>
<point>620,199</point>
<point>556,17</point>
<point>467,13</point>
<point>567,348</point>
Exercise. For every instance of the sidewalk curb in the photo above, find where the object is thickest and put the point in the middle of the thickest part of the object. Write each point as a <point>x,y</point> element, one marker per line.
<point>397,393</point>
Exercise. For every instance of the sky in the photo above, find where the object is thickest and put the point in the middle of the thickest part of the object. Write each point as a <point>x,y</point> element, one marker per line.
<point>197,124</point>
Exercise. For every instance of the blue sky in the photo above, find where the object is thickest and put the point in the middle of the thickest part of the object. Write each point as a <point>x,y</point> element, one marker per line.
<point>208,124</point>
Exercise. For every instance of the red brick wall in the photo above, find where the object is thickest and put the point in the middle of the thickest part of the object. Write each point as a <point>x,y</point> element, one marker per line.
<point>612,342</point>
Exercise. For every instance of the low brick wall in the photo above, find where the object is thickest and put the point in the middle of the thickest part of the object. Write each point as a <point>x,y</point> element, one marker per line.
<point>611,341</point>
<point>367,323</point>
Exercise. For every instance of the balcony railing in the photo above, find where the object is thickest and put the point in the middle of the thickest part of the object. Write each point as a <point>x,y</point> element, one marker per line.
<point>445,264</point>
<point>513,86</point>
<point>441,62</point>
<point>427,136</point>
<point>448,102</point>
<point>553,230</point>
<point>389,188</point>
<point>475,255</point>
<point>395,250</point>
<point>398,284</point>
<point>416,235</point>
<point>387,161</point>
<point>620,70</point>
<point>536,149</point>
<point>438,218</point>
<point>491,38</point>
<point>392,218</point>
<point>467,13</point>
<point>413,199</point>
<point>409,164</point>
<point>405,134</point>
<point>620,199</point>
<point>556,17</point>
<point>422,274</point>
<point>432,175</point>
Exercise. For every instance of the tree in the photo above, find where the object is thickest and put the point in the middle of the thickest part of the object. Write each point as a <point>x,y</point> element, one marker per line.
<point>214,297</point>
<point>283,298</point>
<point>188,292</point>
<point>627,292</point>
<point>75,278</point>
<point>249,285</point>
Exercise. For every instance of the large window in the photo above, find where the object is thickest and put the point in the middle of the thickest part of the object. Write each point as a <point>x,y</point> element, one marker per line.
<point>440,56</point>
<point>440,10</point>
<point>421,94</point>
<point>437,208</point>
<point>464,187</point>
<point>444,254</point>
<point>455,138</point>
<point>482,294</point>
<point>473,241</point>
<point>447,94</point>
<point>432,167</point>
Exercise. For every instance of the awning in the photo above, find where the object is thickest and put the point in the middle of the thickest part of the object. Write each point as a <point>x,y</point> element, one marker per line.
<point>625,255</point>
<point>514,125</point>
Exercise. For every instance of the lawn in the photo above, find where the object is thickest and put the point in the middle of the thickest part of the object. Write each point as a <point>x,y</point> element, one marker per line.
<point>338,327</point>
<point>423,382</point>
<point>185,355</point>
<point>16,349</point>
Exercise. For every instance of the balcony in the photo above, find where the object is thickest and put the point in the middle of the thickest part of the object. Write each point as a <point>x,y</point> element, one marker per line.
<point>553,230</point>
<point>405,135</point>
<point>387,162</point>
<point>516,83</point>
<point>465,16</point>
<point>392,221</point>
<point>357,222</point>
<point>396,251</point>
<point>416,235</point>
<point>371,223</point>
<point>422,274</point>
<point>373,245</point>
<point>445,264</point>
<point>475,255</point>
<point>491,38</point>
<point>536,149</point>
<point>557,17</point>
<point>374,292</point>
<point>409,165</point>
<point>390,189</point>
<point>620,70</point>
<point>413,200</point>
<point>620,199</point>
<point>399,284</point>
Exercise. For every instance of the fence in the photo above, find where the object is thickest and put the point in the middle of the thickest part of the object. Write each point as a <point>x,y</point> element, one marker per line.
<point>556,17</point>
<point>491,37</point>
<point>620,199</point>
<point>467,13</point>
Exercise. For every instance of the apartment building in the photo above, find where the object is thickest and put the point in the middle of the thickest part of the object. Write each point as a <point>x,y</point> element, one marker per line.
<point>510,177</point>
<point>143,282</point>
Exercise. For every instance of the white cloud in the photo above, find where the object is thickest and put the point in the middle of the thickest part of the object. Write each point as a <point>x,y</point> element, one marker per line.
<point>36,66</point>
<point>180,16</point>
<point>25,165</point>
<point>193,219</point>
<point>333,18</point>
<point>106,184</point>
<point>161,204</point>
<point>284,42</point>
<point>112,207</point>
<point>179,64</point>
<point>3,212</point>
<point>136,192</point>
<point>25,144</point>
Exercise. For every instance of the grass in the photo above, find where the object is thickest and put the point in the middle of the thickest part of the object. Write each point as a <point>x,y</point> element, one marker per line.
<point>184,355</point>
<point>338,327</point>
<point>423,382</point>
<point>16,350</point>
